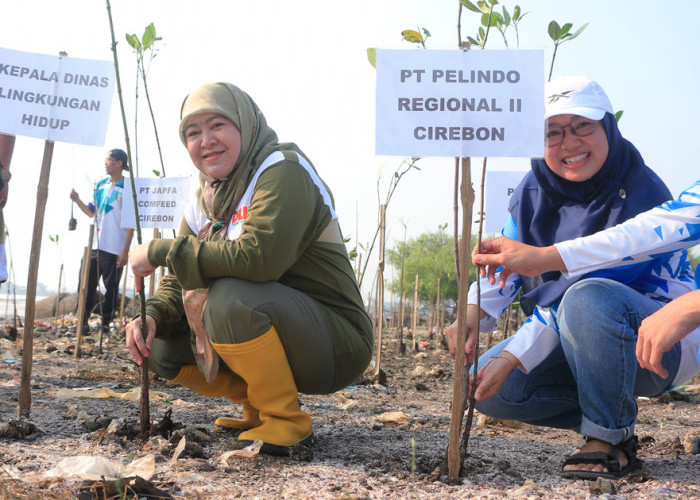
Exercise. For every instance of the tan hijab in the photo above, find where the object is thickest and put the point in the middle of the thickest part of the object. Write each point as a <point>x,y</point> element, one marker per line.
<point>258,141</point>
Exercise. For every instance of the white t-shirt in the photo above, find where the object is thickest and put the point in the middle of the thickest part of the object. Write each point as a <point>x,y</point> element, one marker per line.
<point>107,204</point>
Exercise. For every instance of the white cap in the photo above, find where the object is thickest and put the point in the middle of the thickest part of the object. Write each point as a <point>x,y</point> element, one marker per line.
<point>575,95</point>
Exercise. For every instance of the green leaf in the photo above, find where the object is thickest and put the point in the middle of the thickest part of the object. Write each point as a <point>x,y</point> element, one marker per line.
<point>516,12</point>
<point>133,41</point>
<point>472,41</point>
<point>495,17</point>
<point>554,30</point>
<point>412,36</point>
<point>565,29</point>
<point>618,115</point>
<point>579,31</point>
<point>426,33</point>
<point>156,172</point>
<point>372,56</point>
<point>470,6</point>
<point>149,36</point>
<point>506,16</point>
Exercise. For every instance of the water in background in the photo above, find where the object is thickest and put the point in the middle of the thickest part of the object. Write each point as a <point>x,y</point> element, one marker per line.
<point>7,308</point>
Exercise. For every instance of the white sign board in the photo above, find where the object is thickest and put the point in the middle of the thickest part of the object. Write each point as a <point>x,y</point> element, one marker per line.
<point>456,103</point>
<point>55,98</point>
<point>161,202</point>
<point>500,186</point>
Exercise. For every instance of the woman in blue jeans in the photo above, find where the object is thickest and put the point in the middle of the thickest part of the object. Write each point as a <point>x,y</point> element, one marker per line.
<point>575,354</point>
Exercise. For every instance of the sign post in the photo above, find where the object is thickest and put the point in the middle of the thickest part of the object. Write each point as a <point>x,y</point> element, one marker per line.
<point>460,104</point>
<point>56,99</point>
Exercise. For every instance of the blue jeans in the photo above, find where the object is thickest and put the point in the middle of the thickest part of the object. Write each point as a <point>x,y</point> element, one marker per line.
<point>590,381</point>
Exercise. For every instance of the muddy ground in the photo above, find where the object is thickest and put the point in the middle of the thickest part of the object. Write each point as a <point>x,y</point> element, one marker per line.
<point>360,449</point>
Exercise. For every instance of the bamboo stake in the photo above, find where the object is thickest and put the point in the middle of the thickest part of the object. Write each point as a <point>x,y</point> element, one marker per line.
<point>437,308</point>
<point>82,293</point>
<point>414,322</point>
<point>402,318</point>
<point>380,295</point>
<point>152,279</point>
<point>42,194</point>
<point>391,308</point>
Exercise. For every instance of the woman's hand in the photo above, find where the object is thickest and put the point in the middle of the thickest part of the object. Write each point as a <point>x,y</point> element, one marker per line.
<point>140,265</point>
<point>516,257</point>
<point>139,347</point>
<point>473,318</point>
<point>660,331</point>
<point>492,376</point>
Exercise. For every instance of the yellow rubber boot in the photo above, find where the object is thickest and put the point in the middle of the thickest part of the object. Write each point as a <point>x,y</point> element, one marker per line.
<point>225,385</point>
<point>263,364</point>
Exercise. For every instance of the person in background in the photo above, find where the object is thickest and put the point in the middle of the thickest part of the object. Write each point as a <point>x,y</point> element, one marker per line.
<point>110,248</point>
<point>575,354</point>
<point>261,301</point>
<point>666,228</point>
<point>7,146</point>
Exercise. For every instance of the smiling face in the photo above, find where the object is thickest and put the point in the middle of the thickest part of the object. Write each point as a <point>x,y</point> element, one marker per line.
<point>576,159</point>
<point>214,144</point>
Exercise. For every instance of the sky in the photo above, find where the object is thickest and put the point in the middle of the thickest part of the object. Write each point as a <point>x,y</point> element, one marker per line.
<point>304,63</point>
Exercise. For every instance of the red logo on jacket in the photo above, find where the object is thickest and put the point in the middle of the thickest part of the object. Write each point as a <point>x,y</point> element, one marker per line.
<point>240,215</point>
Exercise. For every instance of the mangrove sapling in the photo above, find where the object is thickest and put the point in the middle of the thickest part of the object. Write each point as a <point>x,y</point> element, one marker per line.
<point>142,48</point>
<point>54,239</point>
<point>488,19</point>
<point>475,366</point>
<point>145,410</point>
<point>405,166</point>
<point>559,35</point>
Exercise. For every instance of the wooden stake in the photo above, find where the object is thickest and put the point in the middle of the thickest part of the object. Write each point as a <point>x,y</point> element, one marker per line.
<point>454,457</point>
<point>82,293</point>
<point>380,295</point>
<point>42,194</point>
<point>391,308</point>
<point>122,321</point>
<point>414,320</point>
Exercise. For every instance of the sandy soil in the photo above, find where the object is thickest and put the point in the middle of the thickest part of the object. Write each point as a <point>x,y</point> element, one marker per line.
<point>359,452</point>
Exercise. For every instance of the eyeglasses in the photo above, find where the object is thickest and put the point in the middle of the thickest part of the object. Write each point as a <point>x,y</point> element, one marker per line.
<point>580,128</point>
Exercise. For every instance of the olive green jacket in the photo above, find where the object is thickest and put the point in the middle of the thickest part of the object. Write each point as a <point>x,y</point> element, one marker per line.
<point>286,216</point>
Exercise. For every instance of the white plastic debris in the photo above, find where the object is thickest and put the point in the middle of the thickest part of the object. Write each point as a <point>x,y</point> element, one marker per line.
<point>248,452</point>
<point>95,467</point>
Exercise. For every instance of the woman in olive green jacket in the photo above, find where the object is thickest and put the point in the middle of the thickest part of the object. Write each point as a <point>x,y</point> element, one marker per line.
<point>260,301</point>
